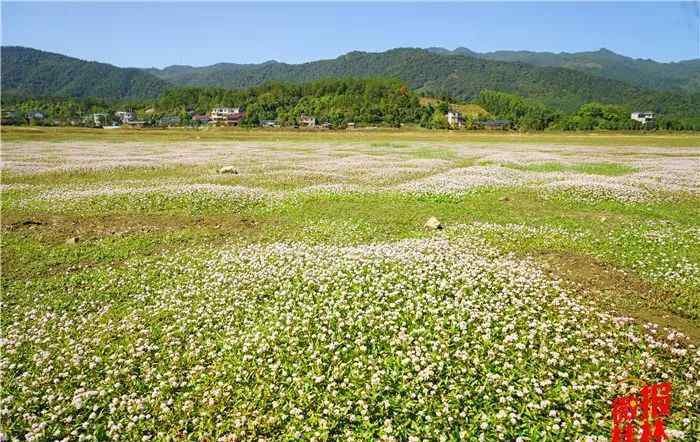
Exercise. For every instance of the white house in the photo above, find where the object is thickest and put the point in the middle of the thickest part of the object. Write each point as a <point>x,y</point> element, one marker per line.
<point>454,119</point>
<point>647,119</point>
<point>100,119</point>
<point>125,116</point>
<point>223,114</point>
<point>35,115</point>
<point>307,121</point>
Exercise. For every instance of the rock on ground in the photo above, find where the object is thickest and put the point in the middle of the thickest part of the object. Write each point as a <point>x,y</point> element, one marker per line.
<point>433,223</point>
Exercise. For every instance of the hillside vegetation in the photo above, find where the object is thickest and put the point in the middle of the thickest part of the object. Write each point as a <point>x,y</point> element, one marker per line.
<point>469,110</point>
<point>683,75</point>
<point>429,73</point>
<point>457,76</point>
<point>336,101</point>
<point>31,72</point>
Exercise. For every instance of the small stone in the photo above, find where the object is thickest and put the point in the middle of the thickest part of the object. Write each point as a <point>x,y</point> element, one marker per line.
<point>228,169</point>
<point>72,241</point>
<point>433,223</point>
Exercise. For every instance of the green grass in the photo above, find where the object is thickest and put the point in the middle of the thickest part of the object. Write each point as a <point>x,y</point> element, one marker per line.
<point>613,232</point>
<point>608,169</point>
<point>88,177</point>
<point>173,296</point>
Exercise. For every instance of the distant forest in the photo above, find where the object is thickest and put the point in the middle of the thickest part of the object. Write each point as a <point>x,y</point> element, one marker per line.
<point>363,102</point>
<point>563,83</point>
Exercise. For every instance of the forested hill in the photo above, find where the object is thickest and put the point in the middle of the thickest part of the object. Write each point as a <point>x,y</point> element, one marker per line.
<point>683,75</point>
<point>27,71</point>
<point>458,76</point>
<point>455,75</point>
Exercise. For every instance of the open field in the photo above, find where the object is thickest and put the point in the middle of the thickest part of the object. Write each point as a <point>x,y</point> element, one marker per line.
<point>148,297</point>
<point>409,135</point>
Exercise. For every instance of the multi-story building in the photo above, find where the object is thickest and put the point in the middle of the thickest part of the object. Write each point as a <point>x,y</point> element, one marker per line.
<point>648,119</point>
<point>225,115</point>
<point>454,119</point>
<point>125,116</point>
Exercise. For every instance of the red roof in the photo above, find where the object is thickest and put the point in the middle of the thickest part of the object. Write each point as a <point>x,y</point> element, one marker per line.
<point>236,117</point>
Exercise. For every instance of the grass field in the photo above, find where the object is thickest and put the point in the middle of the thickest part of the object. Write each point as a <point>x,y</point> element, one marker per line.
<point>146,296</point>
<point>369,135</point>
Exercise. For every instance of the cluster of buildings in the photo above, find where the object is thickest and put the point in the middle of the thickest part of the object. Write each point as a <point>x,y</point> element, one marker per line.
<point>455,120</point>
<point>13,117</point>
<point>222,116</point>
<point>232,116</point>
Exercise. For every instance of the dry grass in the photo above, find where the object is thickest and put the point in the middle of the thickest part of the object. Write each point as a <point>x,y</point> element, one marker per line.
<point>408,134</point>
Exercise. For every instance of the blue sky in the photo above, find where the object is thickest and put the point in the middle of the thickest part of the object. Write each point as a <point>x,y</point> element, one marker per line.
<point>162,34</point>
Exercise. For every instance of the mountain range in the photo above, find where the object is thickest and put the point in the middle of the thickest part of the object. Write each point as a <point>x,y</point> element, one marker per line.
<point>684,75</point>
<point>563,81</point>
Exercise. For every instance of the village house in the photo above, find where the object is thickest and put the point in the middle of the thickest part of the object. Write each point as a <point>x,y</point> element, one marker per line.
<point>99,119</point>
<point>648,119</point>
<point>125,116</point>
<point>235,119</point>
<point>268,123</point>
<point>35,115</point>
<point>10,117</point>
<point>306,121</point>
<point>201,119</point>
<point>225,115</point>
<point>454,120</point>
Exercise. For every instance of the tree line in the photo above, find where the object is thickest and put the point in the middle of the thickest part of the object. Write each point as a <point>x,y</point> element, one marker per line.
<point>368,102</point>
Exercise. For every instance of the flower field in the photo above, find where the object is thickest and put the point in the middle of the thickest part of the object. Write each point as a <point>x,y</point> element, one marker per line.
<point>145,296</point>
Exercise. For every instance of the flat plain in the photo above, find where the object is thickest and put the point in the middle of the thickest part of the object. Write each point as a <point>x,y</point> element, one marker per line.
<point>146,296</point>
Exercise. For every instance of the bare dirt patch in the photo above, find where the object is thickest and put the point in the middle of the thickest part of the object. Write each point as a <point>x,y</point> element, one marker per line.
<point>617,290</point>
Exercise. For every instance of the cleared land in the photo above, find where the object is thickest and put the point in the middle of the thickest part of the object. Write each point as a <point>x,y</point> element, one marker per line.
<point>302,298</point>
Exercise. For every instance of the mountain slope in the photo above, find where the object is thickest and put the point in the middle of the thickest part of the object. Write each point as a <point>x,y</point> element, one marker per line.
<point>32,72</point>
<point>27,71</point>
<point>650,74</point>
<point>455,75</point>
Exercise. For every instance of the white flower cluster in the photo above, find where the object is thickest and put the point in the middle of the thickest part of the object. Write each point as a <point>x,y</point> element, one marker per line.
<point>412,340</point>
<point>656,251</point>
<point>654,173</point>
<point>137,196</point>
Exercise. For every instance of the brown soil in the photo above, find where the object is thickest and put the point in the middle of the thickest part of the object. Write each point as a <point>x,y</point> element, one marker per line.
<point>617,290</point>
